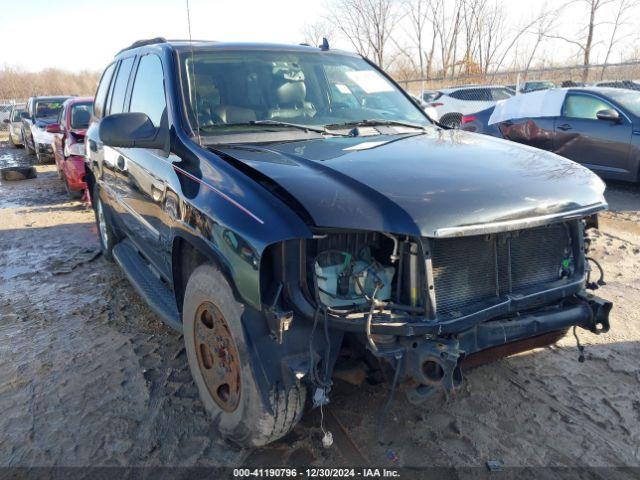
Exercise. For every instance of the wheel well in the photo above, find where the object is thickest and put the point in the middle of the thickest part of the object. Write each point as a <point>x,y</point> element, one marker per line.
<point>185,259</point>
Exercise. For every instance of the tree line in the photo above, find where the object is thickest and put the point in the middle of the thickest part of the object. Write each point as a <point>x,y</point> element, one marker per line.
<point>16,83</point>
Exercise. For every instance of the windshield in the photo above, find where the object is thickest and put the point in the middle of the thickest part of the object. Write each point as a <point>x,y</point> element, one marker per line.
<point>48,108</point>
<point>629,99</point>
<point>80,115</point>
<point>229,88</point>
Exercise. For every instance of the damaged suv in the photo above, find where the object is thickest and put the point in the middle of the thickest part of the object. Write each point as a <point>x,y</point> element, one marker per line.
<point>276,202</point>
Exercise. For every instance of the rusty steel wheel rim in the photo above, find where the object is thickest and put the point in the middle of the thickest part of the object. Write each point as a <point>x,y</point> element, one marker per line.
<point>218,357</point>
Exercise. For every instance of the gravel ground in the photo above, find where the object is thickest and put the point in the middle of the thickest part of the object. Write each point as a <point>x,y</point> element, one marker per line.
<point>90,376</point>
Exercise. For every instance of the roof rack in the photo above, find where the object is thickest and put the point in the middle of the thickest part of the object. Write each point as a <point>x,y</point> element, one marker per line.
<point>142,43</point>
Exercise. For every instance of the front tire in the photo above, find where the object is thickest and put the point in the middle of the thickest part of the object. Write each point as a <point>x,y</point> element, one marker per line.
<point>39,156</point>
<point>27,145</point>
<point>219,358</point>
<point>106,232</point>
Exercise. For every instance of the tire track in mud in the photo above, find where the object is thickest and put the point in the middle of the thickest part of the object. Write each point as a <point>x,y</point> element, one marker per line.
<point>583,419</point>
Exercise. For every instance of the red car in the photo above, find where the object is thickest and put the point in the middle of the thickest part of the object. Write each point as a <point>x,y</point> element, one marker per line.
<point>68,144</point>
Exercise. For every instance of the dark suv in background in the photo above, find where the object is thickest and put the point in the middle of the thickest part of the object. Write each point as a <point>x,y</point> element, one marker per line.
<point>275,202</point>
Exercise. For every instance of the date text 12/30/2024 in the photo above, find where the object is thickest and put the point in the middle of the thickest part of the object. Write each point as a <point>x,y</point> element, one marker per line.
<point>315,473</point>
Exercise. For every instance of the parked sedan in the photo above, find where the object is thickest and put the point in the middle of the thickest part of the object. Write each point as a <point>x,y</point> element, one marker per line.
<point>14,122</point>
<point>68,143</point>
<point>596,127</point>
<point>452,103</point>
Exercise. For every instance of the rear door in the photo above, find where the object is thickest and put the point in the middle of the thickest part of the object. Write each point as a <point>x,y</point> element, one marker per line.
<point>600,145</point>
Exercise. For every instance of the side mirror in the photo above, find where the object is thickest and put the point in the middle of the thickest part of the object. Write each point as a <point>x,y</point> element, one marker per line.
<point>608,114</point>
<point>53,128</point>
<point>6,120</point>
<point>132,130</point>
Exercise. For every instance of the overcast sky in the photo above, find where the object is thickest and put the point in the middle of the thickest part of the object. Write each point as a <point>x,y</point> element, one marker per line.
<point>86,34</point>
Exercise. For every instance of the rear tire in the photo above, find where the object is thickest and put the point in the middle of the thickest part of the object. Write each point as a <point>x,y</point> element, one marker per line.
<point>219,357</point>
<point>75,194</point>
<point>451,120</point>
<point>106,233</point>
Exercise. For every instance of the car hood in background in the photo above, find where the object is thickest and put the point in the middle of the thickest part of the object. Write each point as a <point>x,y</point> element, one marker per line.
<point>423,184</point>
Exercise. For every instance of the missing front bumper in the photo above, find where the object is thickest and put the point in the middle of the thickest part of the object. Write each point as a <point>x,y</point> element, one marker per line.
<point>434,363</point>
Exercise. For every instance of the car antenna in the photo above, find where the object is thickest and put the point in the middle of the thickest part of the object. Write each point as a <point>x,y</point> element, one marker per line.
<point>193,76</point>
<point>325,44</point>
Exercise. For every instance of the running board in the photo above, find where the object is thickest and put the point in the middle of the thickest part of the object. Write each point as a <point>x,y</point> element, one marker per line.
<point>155,293</point>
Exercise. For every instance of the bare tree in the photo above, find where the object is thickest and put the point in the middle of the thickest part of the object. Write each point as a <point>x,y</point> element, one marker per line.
<point>447,24</point>
<point>622,17</point>
<point>313,33</point>
<point>367,24</point>
<point>586,42</point>
<point>546,22</point>
<point>419,19</point>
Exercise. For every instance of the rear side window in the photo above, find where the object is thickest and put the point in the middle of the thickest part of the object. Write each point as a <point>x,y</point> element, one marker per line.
<point>101,93</point>
<point>583,106</point>
<point>80,115</point>
<point>148,89</point>
<point>120,86</point>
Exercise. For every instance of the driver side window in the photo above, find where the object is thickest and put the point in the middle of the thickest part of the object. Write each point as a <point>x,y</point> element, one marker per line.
<point>583,106</point>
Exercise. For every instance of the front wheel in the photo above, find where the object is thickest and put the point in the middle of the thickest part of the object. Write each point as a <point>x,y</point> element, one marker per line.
<point>106,233</point>
<point>219,358</point>
<point>27,145</point>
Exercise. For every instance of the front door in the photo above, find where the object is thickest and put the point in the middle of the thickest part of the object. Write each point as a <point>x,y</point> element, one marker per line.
<point>147,170</point>
<point>601,145</point>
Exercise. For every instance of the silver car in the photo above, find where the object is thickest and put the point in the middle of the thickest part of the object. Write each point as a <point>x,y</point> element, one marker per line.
<point>14,123</point>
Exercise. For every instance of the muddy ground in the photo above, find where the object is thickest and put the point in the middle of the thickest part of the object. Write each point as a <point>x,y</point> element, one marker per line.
<point>90,376</point>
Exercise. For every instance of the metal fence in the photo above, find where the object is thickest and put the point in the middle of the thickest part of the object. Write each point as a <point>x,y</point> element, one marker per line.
<point>559,76</point>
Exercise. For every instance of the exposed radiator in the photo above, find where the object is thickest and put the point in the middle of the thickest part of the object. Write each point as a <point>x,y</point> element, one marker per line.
<point>471,270</point>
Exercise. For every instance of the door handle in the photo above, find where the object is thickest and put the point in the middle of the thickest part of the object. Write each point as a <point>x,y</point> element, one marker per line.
<point>564,127</point>
<point>120,162</point>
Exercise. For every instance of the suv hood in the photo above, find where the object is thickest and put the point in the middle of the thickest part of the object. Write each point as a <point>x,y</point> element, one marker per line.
<point>438,183</point>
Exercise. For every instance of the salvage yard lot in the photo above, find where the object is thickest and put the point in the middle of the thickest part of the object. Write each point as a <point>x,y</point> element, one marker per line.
<point>90,376</point>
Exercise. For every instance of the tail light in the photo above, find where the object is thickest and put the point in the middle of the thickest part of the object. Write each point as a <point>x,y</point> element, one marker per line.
<point>468,119</point>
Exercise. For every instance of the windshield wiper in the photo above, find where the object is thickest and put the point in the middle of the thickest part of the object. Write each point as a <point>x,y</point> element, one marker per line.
<point>276,123</point>
<point>376,123</point>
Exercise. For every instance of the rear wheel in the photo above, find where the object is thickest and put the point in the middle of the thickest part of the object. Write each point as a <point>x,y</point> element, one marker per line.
<point>451,120</point>
<point>75,194</point>
<point>219,358</point>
